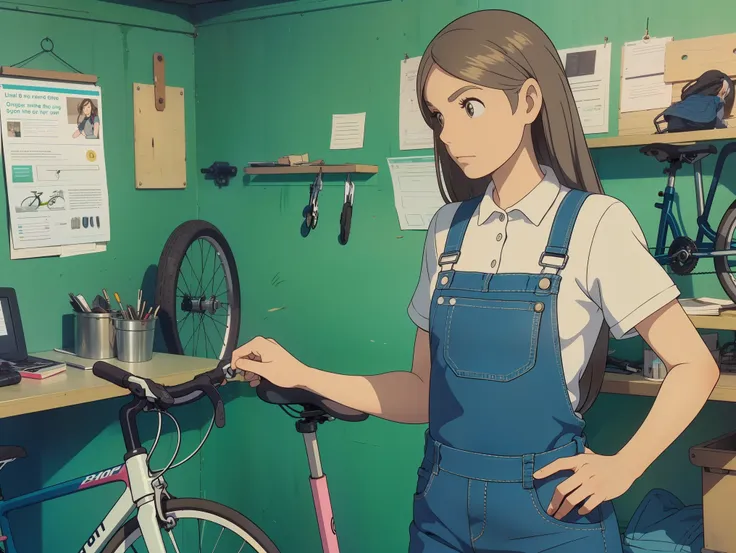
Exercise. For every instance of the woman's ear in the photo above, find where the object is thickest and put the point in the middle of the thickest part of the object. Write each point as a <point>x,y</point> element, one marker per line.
<point>530,101</point>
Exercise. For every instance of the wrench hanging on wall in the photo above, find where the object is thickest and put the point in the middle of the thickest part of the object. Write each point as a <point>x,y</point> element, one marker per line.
<point>346,216</point>
<point>312,211</point>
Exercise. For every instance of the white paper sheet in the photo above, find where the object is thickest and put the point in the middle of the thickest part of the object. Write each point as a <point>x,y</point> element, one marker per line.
<point>588,70</point>
<point>3,325</point>
<point>348,131</point>
<point>414,133</point>
<point>54,163</point>
<point>643,86</point>
<point>416,191</point>
<point>55,251</point>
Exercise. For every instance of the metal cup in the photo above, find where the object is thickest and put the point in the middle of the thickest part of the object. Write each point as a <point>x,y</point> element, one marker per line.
<point>95,336</point>
<point>134,339</point>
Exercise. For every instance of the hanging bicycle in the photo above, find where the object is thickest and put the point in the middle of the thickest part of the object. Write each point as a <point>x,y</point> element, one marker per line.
<point>684,252</point>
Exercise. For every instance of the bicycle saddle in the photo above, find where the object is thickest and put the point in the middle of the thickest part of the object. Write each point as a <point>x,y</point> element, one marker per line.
<point>10,452</point>
<point>677,152</point>
<point>270,393</point>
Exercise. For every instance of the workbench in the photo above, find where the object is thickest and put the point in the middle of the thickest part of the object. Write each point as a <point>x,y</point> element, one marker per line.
<point>637,385</point>
<point>76,386</point>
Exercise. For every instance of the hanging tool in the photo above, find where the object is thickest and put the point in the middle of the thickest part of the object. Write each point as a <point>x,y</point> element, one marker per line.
<point>312,209</point>
<point>347,211</point>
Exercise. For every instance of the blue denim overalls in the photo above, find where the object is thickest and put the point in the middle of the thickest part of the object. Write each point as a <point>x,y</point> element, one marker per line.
<point>499,410</point>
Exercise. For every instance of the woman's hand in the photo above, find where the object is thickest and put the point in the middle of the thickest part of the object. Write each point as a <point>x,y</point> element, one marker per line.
<point>264,357</point>
<point>596,478</point>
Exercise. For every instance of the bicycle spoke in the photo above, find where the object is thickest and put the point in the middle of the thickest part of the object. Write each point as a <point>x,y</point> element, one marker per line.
<point>173,541</point>
<point>193,272</point>
<point>218,540</point>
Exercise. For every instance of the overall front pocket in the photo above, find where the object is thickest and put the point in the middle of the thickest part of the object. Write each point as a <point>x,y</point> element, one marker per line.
<point>491,339</point>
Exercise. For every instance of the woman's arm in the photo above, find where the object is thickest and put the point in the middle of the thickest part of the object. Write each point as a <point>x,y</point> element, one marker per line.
<point>692,374</point>
<point>97,129</point>
<point>399,396</point>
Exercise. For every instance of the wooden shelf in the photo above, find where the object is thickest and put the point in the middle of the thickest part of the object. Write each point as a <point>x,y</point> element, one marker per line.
<point>636,385</point>
<point>312,169</point>
<point>724,321</point>
<point>76,386</point>
<point>674,138</point>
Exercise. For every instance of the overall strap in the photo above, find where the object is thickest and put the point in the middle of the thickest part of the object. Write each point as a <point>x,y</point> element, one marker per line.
<point>456,234</point>
<point>555,254</point>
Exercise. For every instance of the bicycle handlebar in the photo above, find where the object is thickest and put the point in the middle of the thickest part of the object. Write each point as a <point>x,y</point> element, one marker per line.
<point>164,397</point>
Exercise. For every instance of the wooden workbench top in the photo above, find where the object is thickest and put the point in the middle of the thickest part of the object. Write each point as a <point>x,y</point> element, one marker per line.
<point>75,386</point>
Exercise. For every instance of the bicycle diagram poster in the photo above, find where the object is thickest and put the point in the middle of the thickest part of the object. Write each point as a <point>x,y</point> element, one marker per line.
<point>53,149</point>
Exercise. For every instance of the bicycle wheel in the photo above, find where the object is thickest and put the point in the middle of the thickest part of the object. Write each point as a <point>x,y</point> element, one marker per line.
<point>724,265</point>
<point>31,201</point>
<point>201,526</point>
<point>199,292</point>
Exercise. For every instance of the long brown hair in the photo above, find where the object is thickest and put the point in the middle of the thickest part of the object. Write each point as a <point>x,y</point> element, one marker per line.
<point>80,110</point>
<point>501,49</point>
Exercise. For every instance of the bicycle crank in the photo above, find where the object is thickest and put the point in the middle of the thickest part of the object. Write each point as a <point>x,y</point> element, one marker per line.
<point>682,258</point>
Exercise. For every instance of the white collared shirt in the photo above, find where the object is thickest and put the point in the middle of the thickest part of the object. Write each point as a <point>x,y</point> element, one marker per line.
<point>610,272</point>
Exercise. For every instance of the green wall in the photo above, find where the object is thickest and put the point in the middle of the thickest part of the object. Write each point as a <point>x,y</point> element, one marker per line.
<point>268,81</point>
<point>68,443</point>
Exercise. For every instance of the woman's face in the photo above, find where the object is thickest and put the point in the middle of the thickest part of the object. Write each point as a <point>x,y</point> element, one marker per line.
<point>478,126</point>
<point>87,109</point>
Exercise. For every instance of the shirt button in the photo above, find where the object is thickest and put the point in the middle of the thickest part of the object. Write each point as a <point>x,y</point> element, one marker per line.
<point>502,217</point>
<point>499,237</point>
<point>493,264</point>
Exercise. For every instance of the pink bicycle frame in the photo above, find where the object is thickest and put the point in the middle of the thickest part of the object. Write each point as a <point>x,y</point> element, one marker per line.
<point>321,496</point>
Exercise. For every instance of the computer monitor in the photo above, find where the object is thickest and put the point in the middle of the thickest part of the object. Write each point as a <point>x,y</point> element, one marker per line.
<point>12,339</point>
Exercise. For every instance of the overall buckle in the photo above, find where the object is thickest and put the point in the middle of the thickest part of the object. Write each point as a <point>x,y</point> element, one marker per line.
<point>554,265</point>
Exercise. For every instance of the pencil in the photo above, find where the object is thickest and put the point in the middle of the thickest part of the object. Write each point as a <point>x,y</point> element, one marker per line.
<point>120,303</point>
<point>156,312</point>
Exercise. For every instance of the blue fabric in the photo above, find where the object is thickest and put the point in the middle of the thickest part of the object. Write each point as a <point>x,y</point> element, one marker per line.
<point>663,524</point>
<point>697,108</point>
<point>499,410</point>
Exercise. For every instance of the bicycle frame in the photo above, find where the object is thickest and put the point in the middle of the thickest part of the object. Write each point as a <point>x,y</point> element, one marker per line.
<point>143,492</point>
<point>117,516</point>
<point>668,221</point>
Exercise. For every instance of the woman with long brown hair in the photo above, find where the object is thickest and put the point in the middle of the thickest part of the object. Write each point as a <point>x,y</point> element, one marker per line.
<point>525,272</point>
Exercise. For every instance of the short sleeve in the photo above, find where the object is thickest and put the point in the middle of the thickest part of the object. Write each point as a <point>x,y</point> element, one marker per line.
<point>623,278</point>
<point>420,301</point>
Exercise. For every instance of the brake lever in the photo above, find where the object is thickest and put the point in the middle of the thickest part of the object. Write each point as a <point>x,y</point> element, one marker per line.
<point>214,396</point>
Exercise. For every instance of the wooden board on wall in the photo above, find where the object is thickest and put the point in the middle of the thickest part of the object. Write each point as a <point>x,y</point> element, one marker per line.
<point>160,139</point>
<point>700,55</point>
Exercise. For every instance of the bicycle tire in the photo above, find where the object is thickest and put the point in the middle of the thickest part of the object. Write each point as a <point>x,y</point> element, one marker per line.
<point>169,265</point>
<point>724,236</point>
<point>185,508</point>
<point>34,200</point>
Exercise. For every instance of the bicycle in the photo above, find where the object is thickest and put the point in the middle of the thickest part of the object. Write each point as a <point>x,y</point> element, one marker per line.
<point>684,252</point>
<point>57,196</point>
<point>157,512</point>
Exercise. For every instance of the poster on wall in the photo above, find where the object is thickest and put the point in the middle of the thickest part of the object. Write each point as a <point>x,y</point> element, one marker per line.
<point>53,149</point>
<point>588,70</point>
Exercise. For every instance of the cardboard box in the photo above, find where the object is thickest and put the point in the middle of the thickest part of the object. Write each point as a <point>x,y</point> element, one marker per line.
<point>717,458</point>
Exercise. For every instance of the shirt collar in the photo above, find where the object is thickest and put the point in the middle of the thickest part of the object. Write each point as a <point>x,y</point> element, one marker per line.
<point>534,206</point>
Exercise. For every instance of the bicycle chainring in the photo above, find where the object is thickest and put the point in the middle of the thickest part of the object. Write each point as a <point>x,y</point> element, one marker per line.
<point>681,253</point>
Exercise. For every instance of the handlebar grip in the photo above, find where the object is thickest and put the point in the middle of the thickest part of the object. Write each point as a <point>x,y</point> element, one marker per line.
<point>111,373</point>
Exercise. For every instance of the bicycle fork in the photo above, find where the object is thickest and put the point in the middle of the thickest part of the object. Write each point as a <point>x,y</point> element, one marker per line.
<point>143,489</point>
<point>320,491</point>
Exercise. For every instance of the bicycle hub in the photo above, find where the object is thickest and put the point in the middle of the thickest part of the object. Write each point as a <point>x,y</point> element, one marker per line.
<point>201,304</point>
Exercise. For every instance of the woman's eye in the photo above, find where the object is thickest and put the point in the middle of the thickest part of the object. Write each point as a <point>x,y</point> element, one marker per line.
<point>474,108</point>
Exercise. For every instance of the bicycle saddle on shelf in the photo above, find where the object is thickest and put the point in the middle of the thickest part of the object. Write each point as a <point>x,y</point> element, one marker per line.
<point>270,393</point>
<point>688,153</point>
<point>10,452</point>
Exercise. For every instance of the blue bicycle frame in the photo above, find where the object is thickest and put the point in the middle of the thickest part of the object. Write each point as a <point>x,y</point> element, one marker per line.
<point>117,516</point>
<point>705,232</point>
